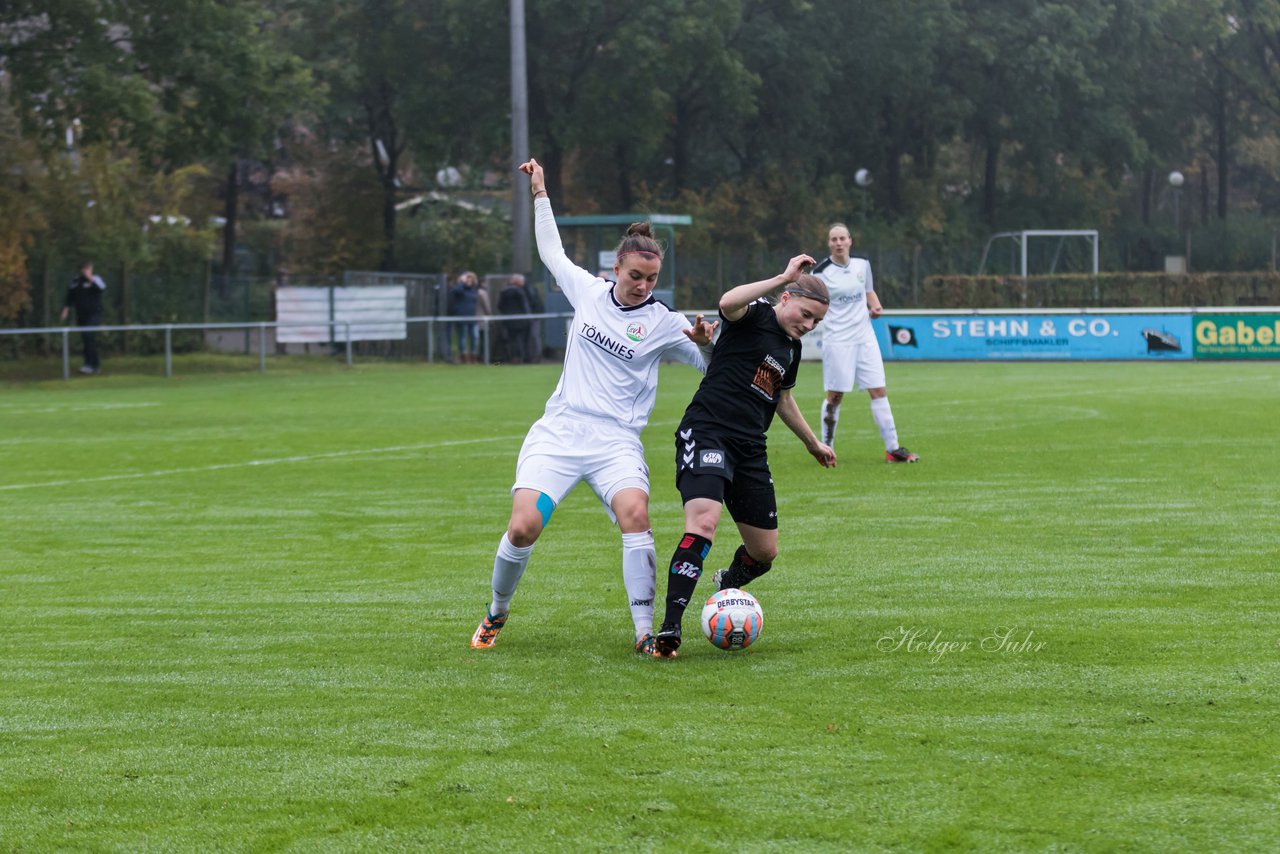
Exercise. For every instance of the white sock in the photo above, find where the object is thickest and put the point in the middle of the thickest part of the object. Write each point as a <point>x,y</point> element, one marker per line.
<point>640,577</point>
<point>830,418</point>
<point>508,566</point>
<point>883,415</point>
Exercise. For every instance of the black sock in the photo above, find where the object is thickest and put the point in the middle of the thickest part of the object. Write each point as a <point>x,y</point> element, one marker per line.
<point>744,569</point>
<point>686,568</point>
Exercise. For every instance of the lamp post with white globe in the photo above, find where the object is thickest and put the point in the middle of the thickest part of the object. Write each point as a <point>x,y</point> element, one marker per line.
<point>863,179</point>
<point>1176,180</point>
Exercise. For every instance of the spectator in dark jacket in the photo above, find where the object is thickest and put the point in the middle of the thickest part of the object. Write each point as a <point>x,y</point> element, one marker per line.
<point>85,296</point>
<point>462,303</point>
<point>514,300</point>
<point>536,306</point>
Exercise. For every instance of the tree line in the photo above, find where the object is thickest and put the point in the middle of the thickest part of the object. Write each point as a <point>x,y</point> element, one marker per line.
<point>333,134</point>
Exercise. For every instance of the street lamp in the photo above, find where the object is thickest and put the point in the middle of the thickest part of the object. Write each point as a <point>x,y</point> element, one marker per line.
<point>1176,180</point>
<point>521,210</point>
<point>863,179</point>
<point>73,131</point>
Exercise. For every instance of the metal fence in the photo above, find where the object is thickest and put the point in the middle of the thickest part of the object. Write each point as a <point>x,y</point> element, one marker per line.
<point>504,338</point>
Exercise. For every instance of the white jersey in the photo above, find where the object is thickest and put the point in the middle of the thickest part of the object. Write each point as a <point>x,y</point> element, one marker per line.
<point>847,320</point>
<point>613,350</point>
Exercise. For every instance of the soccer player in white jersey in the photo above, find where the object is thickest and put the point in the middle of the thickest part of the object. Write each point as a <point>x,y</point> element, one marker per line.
<point>590,430</point>
<point>850,353</point>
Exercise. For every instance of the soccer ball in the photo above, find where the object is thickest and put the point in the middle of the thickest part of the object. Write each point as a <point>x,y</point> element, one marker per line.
<point>732,619</point>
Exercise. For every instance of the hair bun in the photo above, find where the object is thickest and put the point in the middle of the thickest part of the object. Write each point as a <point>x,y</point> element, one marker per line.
<point>639,238</point>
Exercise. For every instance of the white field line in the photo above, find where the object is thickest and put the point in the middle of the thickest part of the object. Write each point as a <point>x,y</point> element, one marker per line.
<point>71,407</point>
<point>252,463</point>
<point>1094,389</point>
<point>982,425</point>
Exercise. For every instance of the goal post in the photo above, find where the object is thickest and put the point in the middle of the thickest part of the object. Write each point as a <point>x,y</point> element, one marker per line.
<point>1021,240</point>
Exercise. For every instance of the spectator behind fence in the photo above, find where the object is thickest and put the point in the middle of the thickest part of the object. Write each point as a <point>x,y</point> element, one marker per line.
<point>536,306</point>
<point>515,334</point>
<point>462,303</point>
<point>85,296</point>
<point>484,309</point>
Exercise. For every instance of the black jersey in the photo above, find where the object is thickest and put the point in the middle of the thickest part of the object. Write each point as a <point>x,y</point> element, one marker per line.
<point>753,361</point>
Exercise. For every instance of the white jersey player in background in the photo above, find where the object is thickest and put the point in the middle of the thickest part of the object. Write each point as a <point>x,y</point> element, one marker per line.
<point>590,430</point>
<point>850,353</point>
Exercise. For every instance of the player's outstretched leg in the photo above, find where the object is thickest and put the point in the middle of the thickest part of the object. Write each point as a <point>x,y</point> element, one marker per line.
<point>487,633</point>
<point>830,418</point>
<point>639,563</point>
<point>639,579</point>
<point>508,567</point>
<point>648,645</point>
<point>682,580</point>
<point>900,455</point>
<point>883,415</point>
<point>742,571</point>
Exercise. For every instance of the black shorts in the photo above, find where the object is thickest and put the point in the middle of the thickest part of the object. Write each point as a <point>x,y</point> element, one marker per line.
<point>728,470</point>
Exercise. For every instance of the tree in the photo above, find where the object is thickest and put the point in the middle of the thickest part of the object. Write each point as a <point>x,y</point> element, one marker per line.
<point>179,80</point>
<point>708,85</point>
<point>225,88</point>
<point>403,84</point>
<point>580,67</point>
<point>1031,74</point>
<point>72,63</point>
<point>20,215</point>
<point>890,106</point>
<point>1255,64</point>
<point>1148,116</point>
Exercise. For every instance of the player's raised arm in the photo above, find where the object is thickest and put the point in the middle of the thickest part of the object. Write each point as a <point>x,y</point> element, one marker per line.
<point>733,305</point>
<point>570,277</point>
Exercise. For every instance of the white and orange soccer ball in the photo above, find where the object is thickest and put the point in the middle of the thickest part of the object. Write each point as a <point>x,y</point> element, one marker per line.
<point>732,619</point>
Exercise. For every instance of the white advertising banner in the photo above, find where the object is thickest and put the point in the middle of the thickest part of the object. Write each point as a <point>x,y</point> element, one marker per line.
<point>375,313</point>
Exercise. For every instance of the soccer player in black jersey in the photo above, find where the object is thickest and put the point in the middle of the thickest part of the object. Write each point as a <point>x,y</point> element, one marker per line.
<point>720,444</point>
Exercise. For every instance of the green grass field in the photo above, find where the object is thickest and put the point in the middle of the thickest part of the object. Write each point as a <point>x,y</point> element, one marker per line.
<point>235,613</point>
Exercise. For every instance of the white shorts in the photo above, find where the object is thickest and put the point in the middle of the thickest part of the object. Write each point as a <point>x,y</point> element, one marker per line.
<point>843,365</point>
<point>559,451</point>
